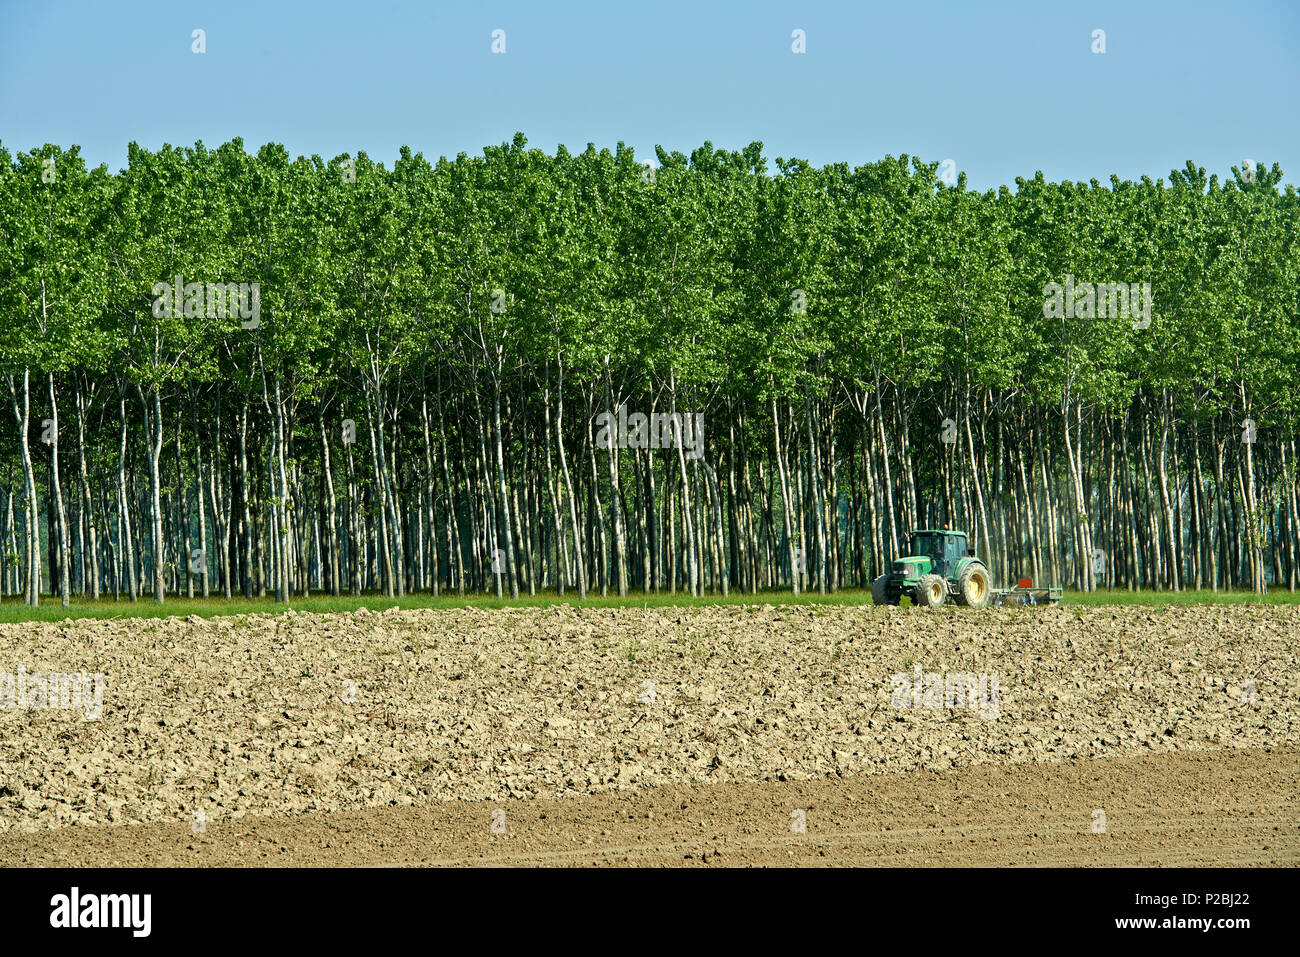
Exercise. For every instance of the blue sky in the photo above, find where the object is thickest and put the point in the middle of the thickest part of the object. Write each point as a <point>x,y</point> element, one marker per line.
<point>1004,89</point>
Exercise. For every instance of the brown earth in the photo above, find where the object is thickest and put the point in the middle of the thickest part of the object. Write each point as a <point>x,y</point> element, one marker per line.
<point>1232,809</point>
<point>323,734</point>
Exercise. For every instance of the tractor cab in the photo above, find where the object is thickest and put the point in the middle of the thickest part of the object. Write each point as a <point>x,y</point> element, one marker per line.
<point>943,549</point>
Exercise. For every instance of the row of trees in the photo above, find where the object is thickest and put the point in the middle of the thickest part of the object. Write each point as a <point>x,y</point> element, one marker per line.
<point>409,398</point>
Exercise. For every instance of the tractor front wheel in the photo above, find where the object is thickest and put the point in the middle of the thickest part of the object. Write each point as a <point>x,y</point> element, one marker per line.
<point>930,592</point>
<point>974,586</point>
<point>880,592</point>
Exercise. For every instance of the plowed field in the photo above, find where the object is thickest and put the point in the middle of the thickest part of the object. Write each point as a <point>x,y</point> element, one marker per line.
<point>728,735</point>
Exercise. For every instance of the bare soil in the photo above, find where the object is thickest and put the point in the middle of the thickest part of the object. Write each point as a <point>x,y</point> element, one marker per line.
<point>659,736</point>
<point>1191,809</point>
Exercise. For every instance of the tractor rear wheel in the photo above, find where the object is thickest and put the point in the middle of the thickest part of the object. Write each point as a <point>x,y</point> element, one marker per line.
<point>974,585</point>
<point>930,591</point>
<point>880,592</point>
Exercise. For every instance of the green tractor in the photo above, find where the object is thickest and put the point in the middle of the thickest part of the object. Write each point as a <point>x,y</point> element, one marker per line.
<point>939,567</point>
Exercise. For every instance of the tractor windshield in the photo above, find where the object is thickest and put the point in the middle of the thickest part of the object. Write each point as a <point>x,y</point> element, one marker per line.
<point>925,544</point>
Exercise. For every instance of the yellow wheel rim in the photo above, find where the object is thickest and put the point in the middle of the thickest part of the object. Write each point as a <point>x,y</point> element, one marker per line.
<point>936,593</point>
<point>978,587</point>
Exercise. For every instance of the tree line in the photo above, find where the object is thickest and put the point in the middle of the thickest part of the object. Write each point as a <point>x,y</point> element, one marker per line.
<point>247,374</point>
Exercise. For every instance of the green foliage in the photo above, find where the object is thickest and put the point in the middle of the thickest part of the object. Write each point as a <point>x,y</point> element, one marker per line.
<point>716,285</point>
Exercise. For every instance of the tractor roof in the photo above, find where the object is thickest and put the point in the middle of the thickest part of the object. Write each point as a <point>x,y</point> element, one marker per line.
<point>938,531</point>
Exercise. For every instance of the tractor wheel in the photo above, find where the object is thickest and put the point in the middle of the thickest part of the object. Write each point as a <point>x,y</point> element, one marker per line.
<point>974,586</point>
<point>880,592</point>
<point>931,592</point>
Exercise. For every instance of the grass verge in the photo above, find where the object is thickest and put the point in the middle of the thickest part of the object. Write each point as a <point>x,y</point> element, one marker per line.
<point>12,610</point>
